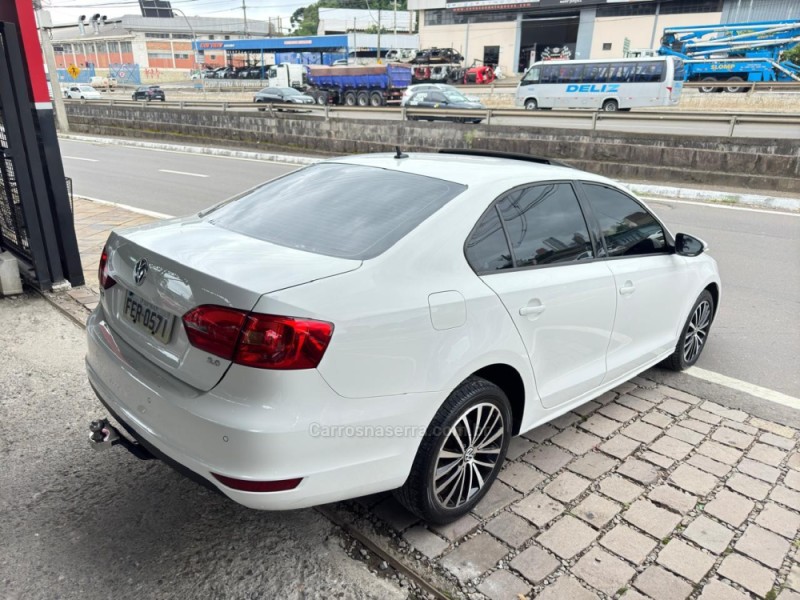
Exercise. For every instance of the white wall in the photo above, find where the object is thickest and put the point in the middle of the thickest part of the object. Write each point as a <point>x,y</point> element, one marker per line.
<point>501,34</point>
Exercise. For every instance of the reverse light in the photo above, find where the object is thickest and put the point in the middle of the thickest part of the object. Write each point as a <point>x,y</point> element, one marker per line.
<point>258,340</point>
<point>245,485</point>
<point>105,280</point>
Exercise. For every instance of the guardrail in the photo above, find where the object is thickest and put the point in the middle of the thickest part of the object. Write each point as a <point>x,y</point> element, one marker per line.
<point>586,117</point>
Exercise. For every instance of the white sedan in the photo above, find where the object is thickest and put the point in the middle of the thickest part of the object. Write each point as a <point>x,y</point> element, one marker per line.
<point>386,322</point>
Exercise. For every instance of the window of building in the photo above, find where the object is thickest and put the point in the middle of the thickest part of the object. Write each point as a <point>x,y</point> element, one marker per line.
<point>690,6</point>
<point>606,46</point>
<point>126,47</point>
<point>181,36</point>
<point>627,10</point>
<point>181,55</point>
<point>448,17</point>
<point>491,55</point>
<point>160,55</point>
<point>157,36</point>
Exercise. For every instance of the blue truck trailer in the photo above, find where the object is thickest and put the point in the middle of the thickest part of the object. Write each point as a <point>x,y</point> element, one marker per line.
<point>725,56</point>
<point>373,85</point>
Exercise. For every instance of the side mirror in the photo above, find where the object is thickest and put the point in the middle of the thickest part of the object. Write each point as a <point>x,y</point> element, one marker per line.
<point>687,245</point>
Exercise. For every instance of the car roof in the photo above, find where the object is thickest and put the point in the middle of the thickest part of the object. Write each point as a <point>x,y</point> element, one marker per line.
<point>469,169</point>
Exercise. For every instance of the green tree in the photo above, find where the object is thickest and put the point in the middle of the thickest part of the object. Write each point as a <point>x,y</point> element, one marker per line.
<point>793,55</point>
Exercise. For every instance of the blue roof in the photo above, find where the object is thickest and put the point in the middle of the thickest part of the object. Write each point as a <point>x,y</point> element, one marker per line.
<point>296,44</point>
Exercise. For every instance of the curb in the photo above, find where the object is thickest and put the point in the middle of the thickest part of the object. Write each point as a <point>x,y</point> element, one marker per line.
<point>655,191</point>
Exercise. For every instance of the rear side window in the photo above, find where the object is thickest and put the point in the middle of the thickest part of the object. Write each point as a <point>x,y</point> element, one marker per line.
<point>487,248</point>
<point>347,211</point>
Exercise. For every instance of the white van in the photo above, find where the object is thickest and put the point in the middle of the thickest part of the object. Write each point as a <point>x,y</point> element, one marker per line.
<point>608,85</point>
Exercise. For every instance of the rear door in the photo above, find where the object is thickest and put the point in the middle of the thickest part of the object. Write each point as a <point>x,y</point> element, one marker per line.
<point>561,299</point>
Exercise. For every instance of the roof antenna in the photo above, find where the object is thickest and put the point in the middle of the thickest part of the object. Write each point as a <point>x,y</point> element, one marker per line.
<point>399,153</point>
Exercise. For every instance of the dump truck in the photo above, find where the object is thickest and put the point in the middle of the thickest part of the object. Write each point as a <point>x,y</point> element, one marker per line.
<point>373,85</point>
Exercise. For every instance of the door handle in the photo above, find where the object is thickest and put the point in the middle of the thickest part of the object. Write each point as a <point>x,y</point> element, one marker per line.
<point>627,288</point>
<point>535,309</point>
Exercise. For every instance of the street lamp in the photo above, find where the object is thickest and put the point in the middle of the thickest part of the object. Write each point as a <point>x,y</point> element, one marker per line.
<point>194,49</point>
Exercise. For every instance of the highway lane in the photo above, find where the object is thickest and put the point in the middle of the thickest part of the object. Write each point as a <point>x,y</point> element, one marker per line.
<point>755,336</point>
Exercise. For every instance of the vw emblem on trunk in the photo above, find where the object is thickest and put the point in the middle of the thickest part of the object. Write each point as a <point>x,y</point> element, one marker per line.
<point>140,271</point>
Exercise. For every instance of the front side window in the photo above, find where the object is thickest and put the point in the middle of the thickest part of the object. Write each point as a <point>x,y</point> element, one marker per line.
<point>628,228</point>
<point>545,225</point>
<point>532,76</point>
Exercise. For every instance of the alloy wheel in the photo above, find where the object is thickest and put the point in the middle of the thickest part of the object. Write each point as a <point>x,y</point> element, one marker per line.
<point>697,332</point>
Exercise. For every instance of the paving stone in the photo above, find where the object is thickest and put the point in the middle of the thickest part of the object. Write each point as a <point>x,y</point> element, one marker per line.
<point>783,495</point>
<point>657,459</point>
<point>743,427</point>
<point>567,537</point>
<point>685,435</point>
<point>720,453</point>
<point>391,512</point>
<point>794,461</point>
<point>779,520</point>
<point>766,454</point>
<point>427,542</point>
<point>705,417</point>
<point>474,557</point>
<point>729,507</point>
<point>549,459</point>
<point>457,529</point>
<point>600,425</point>
<point>620,446</point>
<point>679,395</point>
<point>624,388</point>
<point>651,519</point>
<point>708,465</point>
<point>634,403</point>
<point>759,470</point>
<point>596,510</point>
<point>610,396</point>
<point>672,498</point>
<point>647,391</point>
<point>709,534</point>
<point>671,447</point>
<point>781,430</point>
<point>661,584</point>
<point>716,590</point>
<point>566,588</point>
<point>538,509</point>
<point>723,411</point>
<point>566,487</point>
<point>521,476</point>
<point>744,484</point>
<point>747,573</point>
<point>592,465</point>
<point>766,547</point>
<point>684,560</point>
<point>586,409</point>
<point>642,432</point>
<point>603,571</point>
<point>541,434</point>
<point>792,480</point>
<point>576,441</point>
<point>617,412</point>
<point>733,438</point>
<point>565,421</point>
<point>695,425</point>
<point>535,564</point>
<point>788,595</point>
<point>638,470</point>
<point>502,585</point>
<point>510,528</point>
<point>674,407</point>
<point>793,579</point>
<point>777,441</point>
<point>693,480</point>
<point>628,543</point>
<point>497,498</point>
<point>658,419</point>
<point>517,447</point>
<point>620,489</point>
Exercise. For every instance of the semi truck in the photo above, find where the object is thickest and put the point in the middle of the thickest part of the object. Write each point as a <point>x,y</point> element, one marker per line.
<point>373,85</point>
<point>734,53</point>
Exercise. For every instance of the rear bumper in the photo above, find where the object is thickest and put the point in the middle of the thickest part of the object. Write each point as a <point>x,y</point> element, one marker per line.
<point>260,425</point>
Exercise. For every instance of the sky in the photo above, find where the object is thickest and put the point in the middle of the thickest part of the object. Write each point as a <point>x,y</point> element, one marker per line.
<point>66,11</point>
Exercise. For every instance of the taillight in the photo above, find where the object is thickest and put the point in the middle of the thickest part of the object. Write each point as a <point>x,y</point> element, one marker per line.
<point>106,281</point>
<point>257,340</point>
<point>246,485</point>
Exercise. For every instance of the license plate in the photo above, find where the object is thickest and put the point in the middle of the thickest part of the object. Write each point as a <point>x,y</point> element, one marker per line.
<point>148,318</point>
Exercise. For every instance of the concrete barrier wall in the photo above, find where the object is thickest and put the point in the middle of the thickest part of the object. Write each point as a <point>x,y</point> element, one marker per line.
<point>742,163</point>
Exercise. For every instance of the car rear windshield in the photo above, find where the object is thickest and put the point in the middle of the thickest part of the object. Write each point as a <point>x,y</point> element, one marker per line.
<point>342,210</point>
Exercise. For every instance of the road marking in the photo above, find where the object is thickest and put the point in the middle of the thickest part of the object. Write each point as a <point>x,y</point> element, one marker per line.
<point>655,199</point>
<point>182,173</point>
<point>134,209</point>
<point>79,158</point>
<point>743,386</point>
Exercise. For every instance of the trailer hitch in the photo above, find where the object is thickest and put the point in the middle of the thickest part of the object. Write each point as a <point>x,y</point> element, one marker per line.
<point>104,435</point>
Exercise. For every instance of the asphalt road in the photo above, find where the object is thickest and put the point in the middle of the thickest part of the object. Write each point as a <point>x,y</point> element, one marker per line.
<point>755,337</point>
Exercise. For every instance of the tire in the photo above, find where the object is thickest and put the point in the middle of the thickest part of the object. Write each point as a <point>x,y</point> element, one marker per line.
<point>694,334</point>
<point>610,106</point>
<point>531,104</point>
<point>732,88</point>
<point>476,403</point>
<point>163,99</point>
<point>363,99</point>
<point>322,98</point>
<point>707,89</point>
<point>350,99</point>
<point>376,99</point>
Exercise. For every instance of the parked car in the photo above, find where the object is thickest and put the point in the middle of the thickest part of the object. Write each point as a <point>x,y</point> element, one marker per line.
<point>426,87</point>
<point>149,92</point>
<point>437,55</point>
<point>386,322</point>
<point>443,100</point>
<point>81,91</point>
<point>281,95</point>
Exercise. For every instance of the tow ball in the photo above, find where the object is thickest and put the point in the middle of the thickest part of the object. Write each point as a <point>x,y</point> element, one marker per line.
<point>104,435</point>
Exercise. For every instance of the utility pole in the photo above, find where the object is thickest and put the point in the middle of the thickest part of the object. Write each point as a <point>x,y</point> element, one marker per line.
<point>244,12</point>
<point>379,34</point>
<point>395,21</point>
<point>45,24</point>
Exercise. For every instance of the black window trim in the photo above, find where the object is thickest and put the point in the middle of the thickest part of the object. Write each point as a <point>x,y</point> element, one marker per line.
<point>597,232</point>
<point>494,206</point>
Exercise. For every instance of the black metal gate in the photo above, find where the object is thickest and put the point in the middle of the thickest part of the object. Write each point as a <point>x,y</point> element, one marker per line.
<point>35,215</point>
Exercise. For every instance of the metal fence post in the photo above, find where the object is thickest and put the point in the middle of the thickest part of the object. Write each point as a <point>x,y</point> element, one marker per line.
<point>595,114</point>
<point>734,118</point>
<point>327,112</point>
<point>489,117</point>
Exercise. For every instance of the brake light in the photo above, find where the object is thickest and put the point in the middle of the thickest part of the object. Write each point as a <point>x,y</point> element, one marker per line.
<point>245,485</point>
<point>669,89</point>
<point>258,340</point>
<point>106,281</point>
